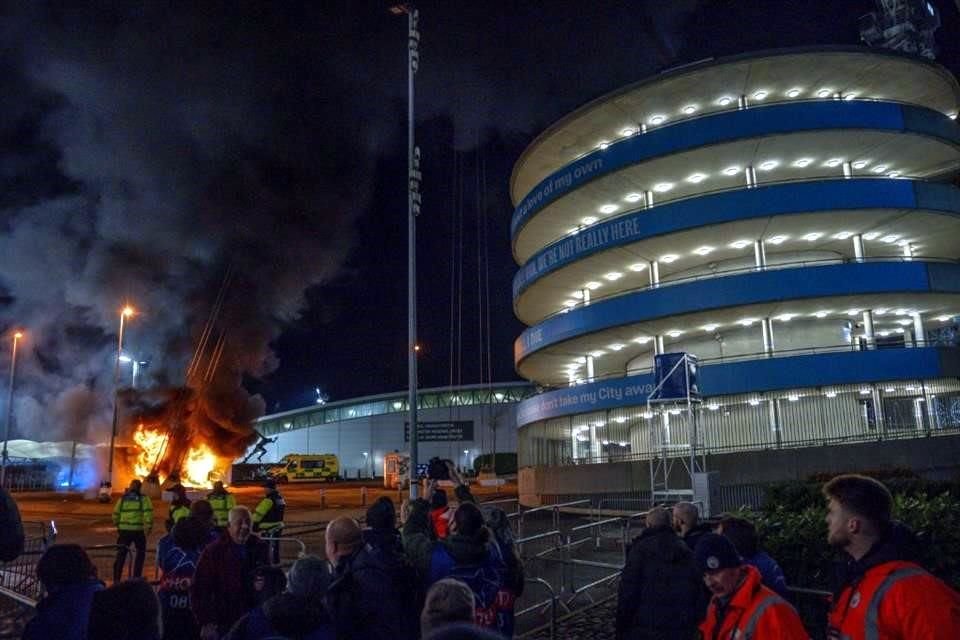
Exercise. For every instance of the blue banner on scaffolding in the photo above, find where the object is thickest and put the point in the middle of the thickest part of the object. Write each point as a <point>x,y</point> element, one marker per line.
<point>672,376</point>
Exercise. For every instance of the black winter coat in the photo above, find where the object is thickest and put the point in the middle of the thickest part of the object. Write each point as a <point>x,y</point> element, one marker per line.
<point>660,589</point>
<point>376,592</point>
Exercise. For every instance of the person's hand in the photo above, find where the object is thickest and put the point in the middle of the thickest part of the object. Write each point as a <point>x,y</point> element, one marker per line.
<point>209,632</point>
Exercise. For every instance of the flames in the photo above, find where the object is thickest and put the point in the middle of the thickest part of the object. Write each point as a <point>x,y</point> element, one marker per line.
<point>200,463</point>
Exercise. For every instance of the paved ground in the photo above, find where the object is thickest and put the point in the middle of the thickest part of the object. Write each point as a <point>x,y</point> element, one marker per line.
<point>596,623</point>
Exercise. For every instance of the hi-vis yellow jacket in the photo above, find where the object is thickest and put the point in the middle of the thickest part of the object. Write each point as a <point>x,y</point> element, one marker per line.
<point>133,512</point>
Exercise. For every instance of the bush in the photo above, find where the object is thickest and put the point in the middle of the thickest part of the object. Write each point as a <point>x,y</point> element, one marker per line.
<point>506,463</point>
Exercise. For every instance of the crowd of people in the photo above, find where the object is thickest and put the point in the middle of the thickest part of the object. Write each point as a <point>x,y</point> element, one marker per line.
<point>688,579</point>
<point>456,574</point>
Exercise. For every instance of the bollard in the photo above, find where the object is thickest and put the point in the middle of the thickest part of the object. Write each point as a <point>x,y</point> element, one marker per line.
<point>323,499</point>
<point>363,496</point>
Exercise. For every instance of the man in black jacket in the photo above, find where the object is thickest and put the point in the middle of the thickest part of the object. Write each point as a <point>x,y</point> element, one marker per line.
<point>375,592</point>
<point>686,522</point>
<point>660,592</point>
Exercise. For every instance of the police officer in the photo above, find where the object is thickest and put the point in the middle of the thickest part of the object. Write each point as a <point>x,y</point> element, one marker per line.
<point>179,506</point>
<point>222,501</point>
<point>268,518</point>
<point>133,517</point>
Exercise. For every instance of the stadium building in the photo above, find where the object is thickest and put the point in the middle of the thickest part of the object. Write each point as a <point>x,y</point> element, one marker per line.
<point>791,218</point>
<point>457,423</point>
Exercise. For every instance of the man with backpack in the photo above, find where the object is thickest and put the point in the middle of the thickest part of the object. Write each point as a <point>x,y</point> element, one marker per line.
<point>375,591</point>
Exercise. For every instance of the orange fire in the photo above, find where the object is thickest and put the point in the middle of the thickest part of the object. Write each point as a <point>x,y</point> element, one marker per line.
<point>199,465</point>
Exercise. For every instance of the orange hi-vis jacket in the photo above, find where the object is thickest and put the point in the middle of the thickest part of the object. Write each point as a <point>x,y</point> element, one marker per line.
<point>754,613</point>
<point>897,600</point>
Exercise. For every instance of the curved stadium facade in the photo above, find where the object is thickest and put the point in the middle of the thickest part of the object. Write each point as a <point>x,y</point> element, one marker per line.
<point>789,217</point>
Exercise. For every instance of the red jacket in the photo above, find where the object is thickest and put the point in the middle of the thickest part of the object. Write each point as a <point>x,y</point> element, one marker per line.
<point>222,590</point>
<point>440,519</point>
<point>897,600</point>
<point>753,613</point>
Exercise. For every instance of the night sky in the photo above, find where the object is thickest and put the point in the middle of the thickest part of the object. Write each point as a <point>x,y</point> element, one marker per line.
<point>145,150</point>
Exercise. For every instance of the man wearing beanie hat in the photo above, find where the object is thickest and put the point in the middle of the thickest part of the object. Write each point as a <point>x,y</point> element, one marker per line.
<point>741,606</point>
<point>298,612</point>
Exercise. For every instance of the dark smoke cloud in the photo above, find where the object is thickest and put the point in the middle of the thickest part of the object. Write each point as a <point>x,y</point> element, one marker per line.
<point>146,149</point>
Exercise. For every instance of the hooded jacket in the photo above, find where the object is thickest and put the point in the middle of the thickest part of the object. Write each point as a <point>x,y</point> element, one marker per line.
<point>63,614</point>
<point>660,588</point>
<point>375,592</point>
<point>886,595</point>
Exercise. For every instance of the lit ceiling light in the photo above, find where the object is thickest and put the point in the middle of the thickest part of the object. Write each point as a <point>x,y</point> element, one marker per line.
<point>592,285</point>
<point>658,119</point>
<point>713,406</point>
<point>606,443</point>
<point>632,197</point>
<point>802,162</point>
<point>675,333</point>
<point>620,420</point>
<point>732,170</point>
<point>880,168</point>
<point>880,312</point>
<point>843,235</point>
<point>578,294</point>
<point>616,346</point>
<point>760,95</point>
<point>713,326</point>
<point>613,276</point>
<point>793,93</point>
<point>668,258</point>
<point>952,116</point>
<point>864,392</point>
<point>813,236</point>
<point>849,96</point>
<point>607,209</point>
<point>598,353</point>
<point>852,312</point>
<point>569,303</point>
<point>753,402</point>
<point>793,397</point>
<point>909,387</point>
<point>637,266</point>
<point>873,235</point>
<point>724,101</point>
<point>642,339</point>
<point>884,334</point>
<point>746,322</point>
<point>690,109</point>
<point>833,162</point>
<point>904,322</point>
<point>603,144</point>
<point>893,174</point>
<point>704,250</point>
<point>889,239</point>
<point>573,230</point>
<point>888,390</point>
<point>943,318</point>
<point>899,329</point>
<point>860,164</point>
<point>696,178</point>
<point>780,239</point>
<point>831,394</point>
<point>768,165</point>
<point>902,243</point>
<point>740,244</point>
<point>786,317</point>
<point>824,93</point>
<point>647,415</point>
<point>663,187</point>
<point>823,313</point>
<point>626,132</point>
<point>674,412</point>
<point>588,220</point>
<point>900,312</point>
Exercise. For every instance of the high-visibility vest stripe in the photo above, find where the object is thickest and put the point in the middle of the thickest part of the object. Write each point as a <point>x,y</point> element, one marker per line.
<point>871,626</point>
<point>754,620</point>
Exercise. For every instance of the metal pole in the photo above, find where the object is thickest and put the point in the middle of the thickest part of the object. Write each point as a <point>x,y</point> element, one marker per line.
<point>116,384</point>
<point>6,429</point>
<point>413,208</point>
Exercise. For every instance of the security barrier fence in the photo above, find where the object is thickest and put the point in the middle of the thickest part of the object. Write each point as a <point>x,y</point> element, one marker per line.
<point>803,417</point>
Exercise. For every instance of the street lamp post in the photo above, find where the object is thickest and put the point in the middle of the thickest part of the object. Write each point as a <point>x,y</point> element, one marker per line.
<point>125,313</point>
<point>6,430</point>
<point>413,209</point>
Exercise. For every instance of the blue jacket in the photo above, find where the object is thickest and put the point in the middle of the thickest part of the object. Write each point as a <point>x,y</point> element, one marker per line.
<point>770,572</point>
<point>284,615</point>
<point>64,613</point>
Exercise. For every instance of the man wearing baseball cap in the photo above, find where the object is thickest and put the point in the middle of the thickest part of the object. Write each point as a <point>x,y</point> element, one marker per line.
<point>741,607</point>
